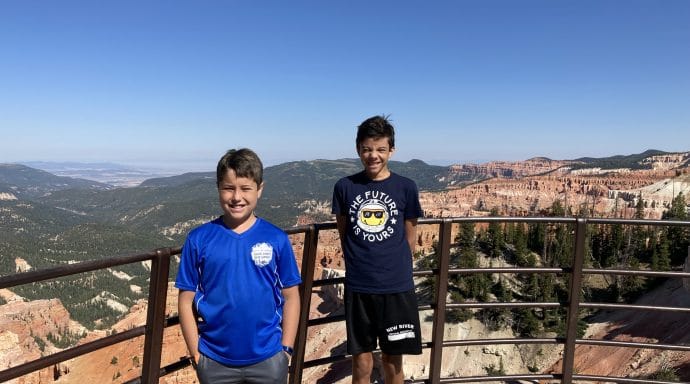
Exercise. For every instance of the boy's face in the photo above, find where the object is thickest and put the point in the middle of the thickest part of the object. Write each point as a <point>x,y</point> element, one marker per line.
<point>238,197</point>
<point>374,154</point>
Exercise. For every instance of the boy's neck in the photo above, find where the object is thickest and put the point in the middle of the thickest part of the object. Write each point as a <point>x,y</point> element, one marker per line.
<point>378,176</point>
<point>239,227</point>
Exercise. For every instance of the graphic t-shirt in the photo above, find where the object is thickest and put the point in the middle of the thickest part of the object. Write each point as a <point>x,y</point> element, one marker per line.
<point>378,258</point>
<point>237,280</point>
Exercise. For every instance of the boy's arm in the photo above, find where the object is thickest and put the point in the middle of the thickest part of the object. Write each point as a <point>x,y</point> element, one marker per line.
<point>190,332</point>
<point>290,315</point>
<point>411,233</point>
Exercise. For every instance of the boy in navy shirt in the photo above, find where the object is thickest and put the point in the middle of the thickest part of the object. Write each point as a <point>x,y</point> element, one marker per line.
<point>376,212</point>
<point>238,279</point>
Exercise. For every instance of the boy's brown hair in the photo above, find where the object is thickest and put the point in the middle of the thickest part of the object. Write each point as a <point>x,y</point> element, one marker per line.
<point>376,127</point>
<point>244,162</point>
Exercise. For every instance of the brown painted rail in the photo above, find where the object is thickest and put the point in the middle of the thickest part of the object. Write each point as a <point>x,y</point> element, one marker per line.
<point>157,322</point>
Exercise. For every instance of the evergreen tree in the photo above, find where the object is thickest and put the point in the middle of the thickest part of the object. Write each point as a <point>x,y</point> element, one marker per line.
<point>509,233</point>
<point>521,250</point>
<point>497,318</point>
<point>661,257</point>
<point>526,323</point>
<point>536,233</point>
<point>631,286</point>
<point>495,236</point>
<point>614,246</point>
<point>475,285</point>
<point>679,238</point>
<point>639,234</point>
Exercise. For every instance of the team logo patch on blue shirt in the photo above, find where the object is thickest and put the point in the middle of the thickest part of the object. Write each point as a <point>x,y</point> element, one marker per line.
<point>262,254</point>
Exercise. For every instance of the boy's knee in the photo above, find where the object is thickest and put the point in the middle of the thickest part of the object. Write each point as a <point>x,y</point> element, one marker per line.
<point>395,360</point>
<point>363,362</point>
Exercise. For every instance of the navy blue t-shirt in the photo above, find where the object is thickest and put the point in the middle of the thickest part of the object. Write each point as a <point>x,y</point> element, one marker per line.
<point>378,258</point>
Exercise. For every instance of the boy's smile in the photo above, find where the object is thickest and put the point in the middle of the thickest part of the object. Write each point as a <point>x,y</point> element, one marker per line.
<point>374,154</point>
<point>238,197</point>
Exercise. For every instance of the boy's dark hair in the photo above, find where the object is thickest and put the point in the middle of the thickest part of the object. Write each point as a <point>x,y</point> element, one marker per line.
<point>244,162</point>
<point>376,127</point>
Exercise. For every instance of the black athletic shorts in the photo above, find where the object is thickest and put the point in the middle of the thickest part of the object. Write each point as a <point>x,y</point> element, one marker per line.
<point>392,319</point>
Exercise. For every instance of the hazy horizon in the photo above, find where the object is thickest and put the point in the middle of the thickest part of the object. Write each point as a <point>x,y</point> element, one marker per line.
<point>172,168</point>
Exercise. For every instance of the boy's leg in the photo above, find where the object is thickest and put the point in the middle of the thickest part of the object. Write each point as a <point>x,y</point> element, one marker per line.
<point>362,366</point>
<point>273,370</point>
<point>361,334</point>
<point>392,369</point>
<point>210,371</point>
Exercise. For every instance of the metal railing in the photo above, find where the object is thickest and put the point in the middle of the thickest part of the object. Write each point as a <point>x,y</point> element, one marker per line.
<point>156,322</point>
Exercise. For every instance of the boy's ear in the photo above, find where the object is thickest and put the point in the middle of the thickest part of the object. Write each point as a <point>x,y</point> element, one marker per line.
<point>260,188</point>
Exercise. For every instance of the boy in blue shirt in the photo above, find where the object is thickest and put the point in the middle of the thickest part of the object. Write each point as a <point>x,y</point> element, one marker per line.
<point>376,212</point>
<point>238,279</point>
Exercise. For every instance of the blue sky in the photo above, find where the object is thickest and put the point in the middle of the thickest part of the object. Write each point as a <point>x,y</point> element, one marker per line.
<point>177,83</point>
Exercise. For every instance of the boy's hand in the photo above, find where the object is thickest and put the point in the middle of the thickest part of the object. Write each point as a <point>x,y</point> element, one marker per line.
<point>194,359</point>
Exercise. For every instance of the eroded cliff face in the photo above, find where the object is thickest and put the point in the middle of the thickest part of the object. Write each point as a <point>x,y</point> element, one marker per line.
<point>611,195</point>
<point>507,169</point>
<point>28,330</point>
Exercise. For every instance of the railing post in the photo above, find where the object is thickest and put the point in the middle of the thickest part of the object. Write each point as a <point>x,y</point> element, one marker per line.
<point>311,241</point>
<point>575,286</point>
<point>440,302</point>
<point>155,316</point>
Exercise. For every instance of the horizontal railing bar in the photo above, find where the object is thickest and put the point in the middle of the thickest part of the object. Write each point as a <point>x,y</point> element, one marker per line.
<point>594,221</point>
<point>171,321</point>
<point>621,380</point>
<point>632,344</point>
<point>173,367</point>
<point>502,378</point>
<point>70,269</point>
<point>70,353</point>
<point>592,271</point>
<point>332,359</point>
<point>500,219</point>
<point>633,307</point>
<point>466,271</point>
<point>504,305</point>
<point>331,281</point>
<point>326,320</point>
<point>73,269</point>
<point>297,230</point>
<point>508,270</point>
<point>474,342</point>
<point>306,228</point>
<point>166,370</point>
<point>423,273</point>
<point>552,220</point>
<point>326,360</point>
